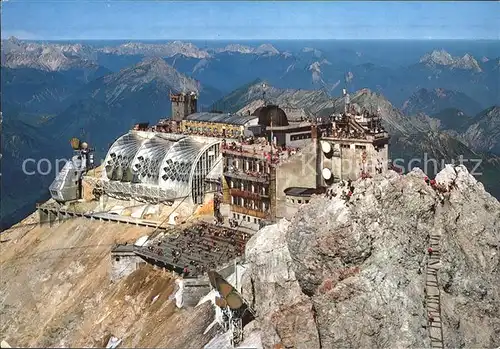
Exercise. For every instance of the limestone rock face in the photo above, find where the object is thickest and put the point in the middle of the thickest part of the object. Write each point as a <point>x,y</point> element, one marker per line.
<point>285,314</point>
<point>353,274</point>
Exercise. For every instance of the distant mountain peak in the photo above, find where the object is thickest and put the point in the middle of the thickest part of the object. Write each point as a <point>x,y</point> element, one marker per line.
<point>236,48</point>
<point>266,49</point>
<point>169,49</point>
<point>46,56</point>
<point>316,53</point>
<point>149,70</point>
<point>440,57</point>
<point>443,58</point>
<point>14,40</point>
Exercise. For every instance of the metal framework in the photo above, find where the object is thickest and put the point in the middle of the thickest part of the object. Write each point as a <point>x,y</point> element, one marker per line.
<point>66,185</point>
<point>156,167</point>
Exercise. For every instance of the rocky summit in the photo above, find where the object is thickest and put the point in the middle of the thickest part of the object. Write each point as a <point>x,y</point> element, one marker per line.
<point>359,273</point>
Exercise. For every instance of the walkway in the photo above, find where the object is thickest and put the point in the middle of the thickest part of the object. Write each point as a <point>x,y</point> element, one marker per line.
<point>59,214</point>
<point>432,292</point>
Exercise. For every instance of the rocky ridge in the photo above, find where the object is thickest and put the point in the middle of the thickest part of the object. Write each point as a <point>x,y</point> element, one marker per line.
<point>443,58</point>
<point>151,69</point>
<point>48,57</point>
<point>352,274</point>
<point>170,49</point>
<point>311,100</point>
<point>432,101</point>
<point>483,133</point>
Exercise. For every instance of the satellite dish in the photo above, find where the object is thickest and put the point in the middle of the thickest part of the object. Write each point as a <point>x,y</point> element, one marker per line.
<point>326,147</point>
<point>327,174</point>
<point>231,297</point>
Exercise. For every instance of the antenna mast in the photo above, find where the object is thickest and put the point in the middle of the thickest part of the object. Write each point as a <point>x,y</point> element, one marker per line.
<point>346,94</point>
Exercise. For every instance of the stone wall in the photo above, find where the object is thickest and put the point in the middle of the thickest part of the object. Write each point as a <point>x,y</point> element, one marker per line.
<point>299,170</point>
<point>123,264</point>
<point>194,290</point>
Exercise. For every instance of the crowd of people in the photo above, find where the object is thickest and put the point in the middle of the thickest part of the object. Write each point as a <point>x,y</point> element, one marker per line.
<point>200,248</point>
<point>167,126</point>
<point>253,146</point>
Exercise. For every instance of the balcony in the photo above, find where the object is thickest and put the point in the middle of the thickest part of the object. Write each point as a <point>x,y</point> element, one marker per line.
<point>246,194</point>
<point>244,152</point>
<point>256,151</point>
<point>249,176</point>
<point>381,135</point>
<point>249,212</point>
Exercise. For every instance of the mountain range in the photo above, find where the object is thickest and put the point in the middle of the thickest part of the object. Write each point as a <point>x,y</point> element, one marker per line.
<point>55,91</point>
<point>480,132</point>
<point>228,67</point>
<point>434,100</point>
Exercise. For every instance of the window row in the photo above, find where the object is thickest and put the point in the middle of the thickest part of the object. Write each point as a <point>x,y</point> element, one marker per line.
<point>247,165</point>
<point>248,186</point>
<point>298,201</point>
<point>244,218</point>
<point>348,146</point>
<point>299,136</point>
<point>249,203</point>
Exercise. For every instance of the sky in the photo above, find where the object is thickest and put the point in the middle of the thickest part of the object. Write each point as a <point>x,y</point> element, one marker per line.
<point>241,20</point>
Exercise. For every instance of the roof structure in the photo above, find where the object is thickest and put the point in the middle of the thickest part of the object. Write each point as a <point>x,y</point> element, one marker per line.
<point>232,119</point>
<point>157,165</point>
<point>271,115</point>
<point>301,191</point>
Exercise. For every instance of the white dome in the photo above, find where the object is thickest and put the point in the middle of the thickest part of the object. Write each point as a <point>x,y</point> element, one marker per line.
<point>327,174</point>
<point>326,147</point>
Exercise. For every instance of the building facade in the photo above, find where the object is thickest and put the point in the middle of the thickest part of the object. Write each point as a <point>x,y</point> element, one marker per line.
<point>357,146</point>
<point>183,104</point>
<point>247,184</point>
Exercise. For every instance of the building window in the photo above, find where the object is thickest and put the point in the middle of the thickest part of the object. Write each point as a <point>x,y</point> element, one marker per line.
<point>360,146</point>
<point>299,136</point>
<point>117,259</point>
<point>293,201</point>
<point>307,201</point>
<point>345,146</point>
<point>255,220</point>
<point>299,201</point>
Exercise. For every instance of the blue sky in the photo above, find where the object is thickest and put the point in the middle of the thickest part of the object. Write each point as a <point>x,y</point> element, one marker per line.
<point>141,19</point>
